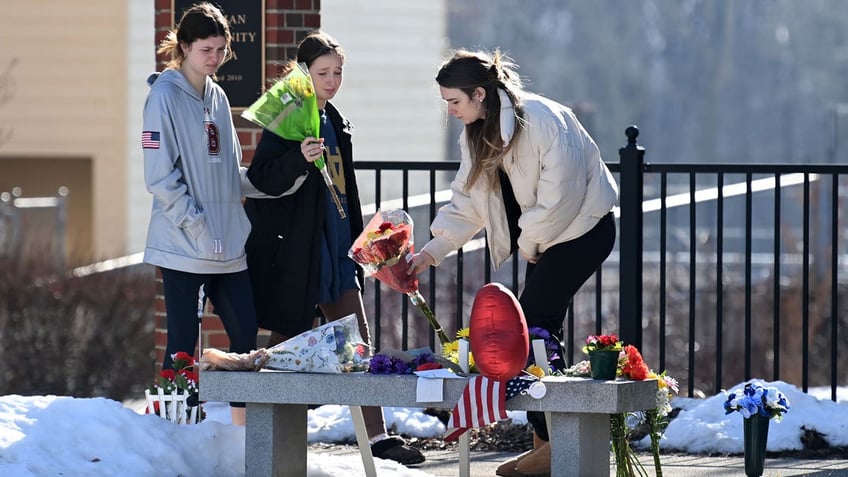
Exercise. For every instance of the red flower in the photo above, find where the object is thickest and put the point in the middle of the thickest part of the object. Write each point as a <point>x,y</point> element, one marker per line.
<point>189,375</point>
<point>426,366</point>
<point>634,368</point>
<point>182,360</point>
<point>180,378</point>
<point>382,248</point>
<point>602,342</point>
<point>608,340</point>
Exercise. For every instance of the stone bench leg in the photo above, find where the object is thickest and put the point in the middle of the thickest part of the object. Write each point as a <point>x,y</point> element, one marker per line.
<point>275,440</point>
<point>580,444</point>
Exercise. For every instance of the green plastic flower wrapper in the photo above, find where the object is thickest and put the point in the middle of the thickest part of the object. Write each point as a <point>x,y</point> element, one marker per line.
<point>289,109</point>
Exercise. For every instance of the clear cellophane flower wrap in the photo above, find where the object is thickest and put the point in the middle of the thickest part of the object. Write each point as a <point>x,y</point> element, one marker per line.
<point>335,347</point>
<point>289,109</point>
<point>381,250</point>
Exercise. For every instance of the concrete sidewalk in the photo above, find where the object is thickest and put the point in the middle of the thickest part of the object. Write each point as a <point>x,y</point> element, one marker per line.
<point>446,464</point>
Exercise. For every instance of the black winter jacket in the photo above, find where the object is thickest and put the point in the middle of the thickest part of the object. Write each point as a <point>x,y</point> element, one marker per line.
<point>283,247</point>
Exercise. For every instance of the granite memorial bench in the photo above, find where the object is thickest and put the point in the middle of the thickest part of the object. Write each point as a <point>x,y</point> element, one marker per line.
<point>276,431</point>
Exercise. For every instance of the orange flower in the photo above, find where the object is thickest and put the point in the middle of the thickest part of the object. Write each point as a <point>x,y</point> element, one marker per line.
<point>634,367</point>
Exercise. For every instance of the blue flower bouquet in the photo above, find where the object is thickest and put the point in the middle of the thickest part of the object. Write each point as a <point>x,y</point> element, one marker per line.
<point>756,398</point>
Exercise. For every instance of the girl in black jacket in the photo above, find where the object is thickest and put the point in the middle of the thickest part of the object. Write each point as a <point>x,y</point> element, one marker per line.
<point>297,249</point>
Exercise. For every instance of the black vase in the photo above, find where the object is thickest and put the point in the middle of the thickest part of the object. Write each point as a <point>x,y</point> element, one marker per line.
<point>604,364</point>
<point>756,437</point>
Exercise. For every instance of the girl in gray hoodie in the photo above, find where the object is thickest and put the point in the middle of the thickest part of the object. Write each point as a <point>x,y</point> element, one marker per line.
<point>192,158</point>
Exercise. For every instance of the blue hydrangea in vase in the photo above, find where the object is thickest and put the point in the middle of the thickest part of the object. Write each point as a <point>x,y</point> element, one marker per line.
<point>758,405</point>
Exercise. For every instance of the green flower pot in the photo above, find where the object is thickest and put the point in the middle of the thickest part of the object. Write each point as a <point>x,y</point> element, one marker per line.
<point>756,436</point>
<point>604,364</point>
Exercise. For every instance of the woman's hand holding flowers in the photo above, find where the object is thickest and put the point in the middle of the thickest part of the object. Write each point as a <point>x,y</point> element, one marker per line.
<point>312,148</point>
<point>419,262</point>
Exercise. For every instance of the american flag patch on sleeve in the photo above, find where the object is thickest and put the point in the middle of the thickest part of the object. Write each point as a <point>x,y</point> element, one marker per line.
<point>150,139</point>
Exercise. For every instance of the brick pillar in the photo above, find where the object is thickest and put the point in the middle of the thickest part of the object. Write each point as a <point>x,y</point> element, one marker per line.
<point>286,23</point>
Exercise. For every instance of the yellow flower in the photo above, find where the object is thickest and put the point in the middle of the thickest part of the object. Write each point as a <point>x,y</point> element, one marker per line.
<point>450,348</point>
<point>463,333</point>
<point>536,371</point>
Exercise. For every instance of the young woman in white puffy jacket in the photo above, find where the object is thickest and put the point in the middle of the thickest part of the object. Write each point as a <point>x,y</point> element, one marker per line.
<point>532,176</point>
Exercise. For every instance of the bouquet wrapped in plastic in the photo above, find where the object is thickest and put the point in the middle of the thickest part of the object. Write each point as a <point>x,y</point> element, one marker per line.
<point>335,347</point>
<point>381,251</point>
<point>289,109</point>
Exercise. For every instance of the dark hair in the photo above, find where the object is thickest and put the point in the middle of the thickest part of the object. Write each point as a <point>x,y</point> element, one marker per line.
<point>315,45</point>
<point>468,70</point>
<point>198,22</point>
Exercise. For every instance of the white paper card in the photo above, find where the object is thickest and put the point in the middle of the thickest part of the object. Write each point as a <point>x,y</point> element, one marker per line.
<point>429,390</point>
<point>439,373</point>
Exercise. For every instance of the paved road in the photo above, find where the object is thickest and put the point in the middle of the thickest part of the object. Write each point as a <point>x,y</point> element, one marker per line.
<point>446,464</point>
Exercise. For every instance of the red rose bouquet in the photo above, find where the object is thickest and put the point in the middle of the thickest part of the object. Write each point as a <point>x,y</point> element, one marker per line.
<point>381,250</point>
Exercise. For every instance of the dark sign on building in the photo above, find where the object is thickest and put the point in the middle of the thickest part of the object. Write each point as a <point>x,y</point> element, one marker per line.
<point>243,78</point>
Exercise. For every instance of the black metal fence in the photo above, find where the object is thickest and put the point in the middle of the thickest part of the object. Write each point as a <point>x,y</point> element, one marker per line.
<point>721,272</point>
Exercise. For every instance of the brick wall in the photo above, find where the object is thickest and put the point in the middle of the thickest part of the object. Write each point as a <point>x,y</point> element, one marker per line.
<point>286,23</point>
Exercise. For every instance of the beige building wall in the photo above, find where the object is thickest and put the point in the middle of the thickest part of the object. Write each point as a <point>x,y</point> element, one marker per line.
<point>67,64</point>
<point>141,61</point>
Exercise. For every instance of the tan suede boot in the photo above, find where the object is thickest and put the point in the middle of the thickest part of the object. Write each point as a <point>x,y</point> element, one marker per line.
<point>507,469</point>
<point>537,464</point>
<point>537,441</point>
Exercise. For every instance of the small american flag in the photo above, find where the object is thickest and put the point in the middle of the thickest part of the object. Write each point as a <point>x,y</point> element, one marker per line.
<point>150,139</point>
<point>483,402</point>
<point>517,385</point>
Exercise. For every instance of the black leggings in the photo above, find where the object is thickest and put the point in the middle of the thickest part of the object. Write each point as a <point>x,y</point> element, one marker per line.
<point>551,283</point>
<point>233,301</point>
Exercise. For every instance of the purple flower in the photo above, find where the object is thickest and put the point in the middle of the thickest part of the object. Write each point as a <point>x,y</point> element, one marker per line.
<point>380,364</point>
<point>551,345</point>
<point>399,367</point>
<point>538,333</point>
<point>421,359</point>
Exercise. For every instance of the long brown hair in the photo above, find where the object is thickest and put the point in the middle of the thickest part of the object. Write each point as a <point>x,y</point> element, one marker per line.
<point>199,22</point>
<point>468,70</point>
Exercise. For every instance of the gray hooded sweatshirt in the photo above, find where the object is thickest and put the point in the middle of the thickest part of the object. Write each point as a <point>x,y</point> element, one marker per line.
<point>192,160</point>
